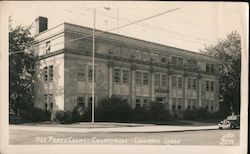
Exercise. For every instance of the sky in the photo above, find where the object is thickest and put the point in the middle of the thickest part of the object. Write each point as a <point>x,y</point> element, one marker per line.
<point>190,27</point>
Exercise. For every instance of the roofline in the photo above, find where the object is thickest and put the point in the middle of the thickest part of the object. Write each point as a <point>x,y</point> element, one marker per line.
<point>66,23</point>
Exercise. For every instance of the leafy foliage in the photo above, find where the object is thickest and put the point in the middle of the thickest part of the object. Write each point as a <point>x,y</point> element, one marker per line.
<point>229,53</point>
<point>79,113</point>
<point>113,109</point>
<point>200,114</point>
<point>33,114</point>
<point>61,116</point>
<point>21,69</point>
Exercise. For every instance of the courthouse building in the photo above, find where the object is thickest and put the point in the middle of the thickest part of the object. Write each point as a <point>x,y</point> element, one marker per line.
<point>141,72</point>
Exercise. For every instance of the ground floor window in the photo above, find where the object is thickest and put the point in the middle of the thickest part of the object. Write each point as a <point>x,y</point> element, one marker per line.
<point>48,100</point>
<point>80,101</point>
<point>146,102</point>
<point>138,102</point>
<point>45,106</point>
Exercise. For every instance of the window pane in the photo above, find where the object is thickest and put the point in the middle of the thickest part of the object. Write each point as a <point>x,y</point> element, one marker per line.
<point>174,81</point>
<point>164,80</point>
<point>51,73</point>
<point>45,73</point>
<point>207,67</point>
<point>180,62</point>
<point>179,82</point>
<point>145,78</point>
<point>81,72</point>
<point>157,79</point>
<point>212,68</point>
<point>189,83</point>
<point>138,101</point>
<point>207,85</point>
<point>125,76</point>
<point>138,78</point>
<point>194,83</point>
<point>117,75</point>
<point>212,86</point>
<point>174,60</point>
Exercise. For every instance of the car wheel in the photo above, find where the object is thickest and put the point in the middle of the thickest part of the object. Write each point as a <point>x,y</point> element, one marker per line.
<point>220,127</point>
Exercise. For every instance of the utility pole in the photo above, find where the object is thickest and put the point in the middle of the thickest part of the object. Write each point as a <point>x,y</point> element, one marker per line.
<point>93,71</point>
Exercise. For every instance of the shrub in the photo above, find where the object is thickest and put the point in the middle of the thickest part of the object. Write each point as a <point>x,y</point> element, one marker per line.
<point>158,111</point>
<point>113,109</point>
<point>140,114</point>
<point>61,116</point>
<point>200,113</point>
<point>79,113</point>
<point>33,114</point>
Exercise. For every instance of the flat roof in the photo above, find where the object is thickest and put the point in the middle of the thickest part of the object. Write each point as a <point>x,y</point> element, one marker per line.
<point>119,35</point>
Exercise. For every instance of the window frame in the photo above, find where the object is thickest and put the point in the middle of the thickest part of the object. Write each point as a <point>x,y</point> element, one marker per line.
<point>117,75</point>
<point>145,78</point>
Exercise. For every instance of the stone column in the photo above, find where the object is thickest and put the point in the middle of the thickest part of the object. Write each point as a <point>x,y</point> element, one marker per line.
<point>152,84</point>
<point>199,90</point>
<point>185,96</point>
<point>110,78</point>
<point>132,85</point>
<point>170,90</point>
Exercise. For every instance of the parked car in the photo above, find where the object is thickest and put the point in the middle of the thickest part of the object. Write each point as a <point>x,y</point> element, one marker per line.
<point>232,122</point>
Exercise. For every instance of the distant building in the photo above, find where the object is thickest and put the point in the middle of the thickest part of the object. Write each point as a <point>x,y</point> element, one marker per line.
<point>141,72</point>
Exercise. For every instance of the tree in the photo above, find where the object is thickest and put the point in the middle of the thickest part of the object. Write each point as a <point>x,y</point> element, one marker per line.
<point>229,52</point>
<point>21,68</point>
<point>113,109</point>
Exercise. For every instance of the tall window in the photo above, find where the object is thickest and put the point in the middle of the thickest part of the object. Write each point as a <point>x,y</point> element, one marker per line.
<point>125,77</point>
<point>81,72</point>
<point>189,83</point>
<point>138,101</point>
<point>174,104</point>
<point>145,102</point>
<point>48,101</point>
<point>51,101</point>
<point>189,104</point>
<point>212,68</point>
<point>47,47</point>
<point>48,73</point>
<point>207,67</point>
<point>145,78</point>
<point>212,86</point>
<point>45,102</point>
<point>194,103</point>
<point>90,75</point>
<point>174,60</point>
<point>51,73</point>
<point>163,60</point>
<point>138,78</point>
<point>163,80</point>
<point>117,75</point>
<point>179,104</point>
<point>45,73</point>
<point>180,61</point>
<point>207,85</point>
<point>80,101</point>
<point>174,81</point>
<point>194,83</point>
<point>157,79</point>
<point>179,82</point>
<point>192,64</point>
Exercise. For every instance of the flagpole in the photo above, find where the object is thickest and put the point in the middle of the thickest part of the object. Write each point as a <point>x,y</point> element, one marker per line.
<point>93,70</point>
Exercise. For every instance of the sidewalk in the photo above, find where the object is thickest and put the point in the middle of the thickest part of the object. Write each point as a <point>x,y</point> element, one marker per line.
<point>138,129</point>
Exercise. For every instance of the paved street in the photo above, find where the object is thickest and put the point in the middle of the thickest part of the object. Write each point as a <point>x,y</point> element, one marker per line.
<point>193,137</point>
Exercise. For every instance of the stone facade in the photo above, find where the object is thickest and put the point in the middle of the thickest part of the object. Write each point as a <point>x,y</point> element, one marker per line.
<point>139,71</point>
